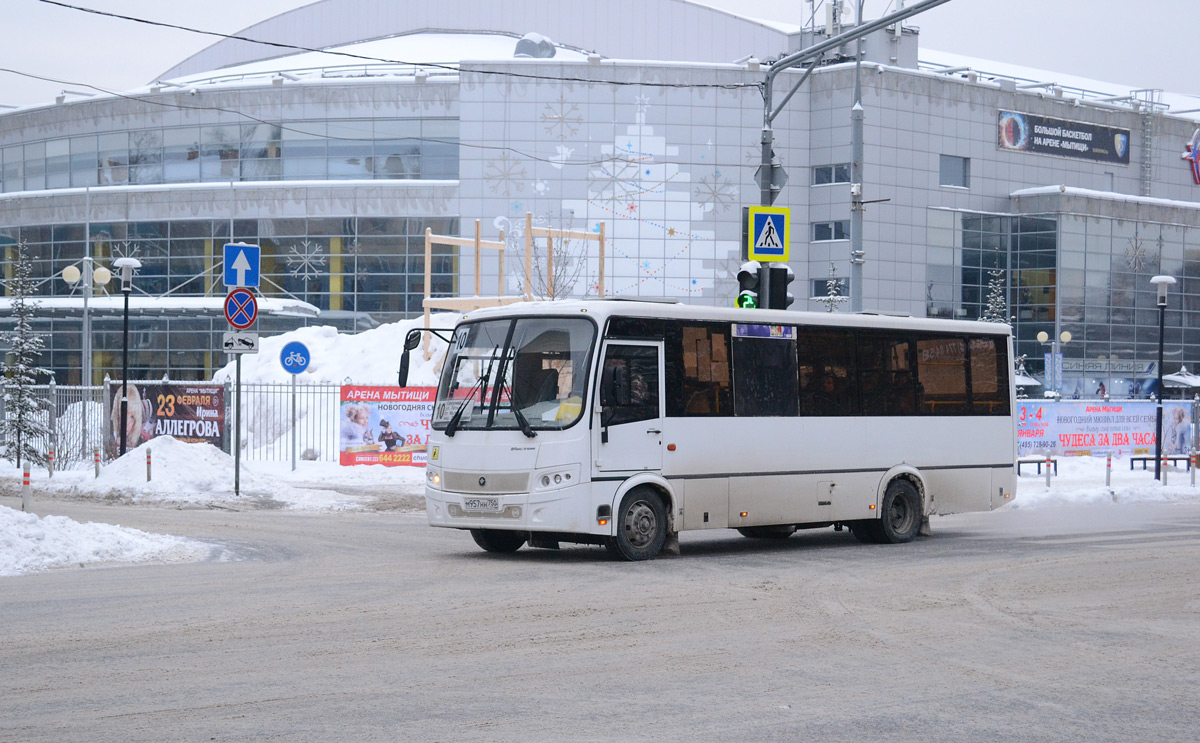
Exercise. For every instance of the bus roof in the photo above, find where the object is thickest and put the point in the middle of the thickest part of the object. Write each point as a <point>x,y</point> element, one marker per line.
<point>601,309</point>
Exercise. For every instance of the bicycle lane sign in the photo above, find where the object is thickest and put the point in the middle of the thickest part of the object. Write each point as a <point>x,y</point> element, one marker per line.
<point>294,357</point>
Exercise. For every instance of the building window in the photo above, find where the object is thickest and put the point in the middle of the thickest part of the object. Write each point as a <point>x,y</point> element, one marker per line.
<point>954,171</point>
<point>825,174</point>
<point>821,288</point>
<point>839,230</point>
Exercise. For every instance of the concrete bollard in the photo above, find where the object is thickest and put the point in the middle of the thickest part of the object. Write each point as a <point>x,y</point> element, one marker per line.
<point>50,463</point>
<point>26,492</point>
<point>147,464</point>
<point>1108,471</point>
<point>96,459</point>
<point>1047,470</point>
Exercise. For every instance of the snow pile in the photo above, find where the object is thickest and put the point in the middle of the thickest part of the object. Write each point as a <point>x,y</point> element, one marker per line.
<point>30,544</point>
<point>201,475</point>
<point>1080,482</point>
<point>179,472</point>
<point>369,357</point>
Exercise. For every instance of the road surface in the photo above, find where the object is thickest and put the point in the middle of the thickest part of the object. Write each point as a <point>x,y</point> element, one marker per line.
<point>1039,624</point>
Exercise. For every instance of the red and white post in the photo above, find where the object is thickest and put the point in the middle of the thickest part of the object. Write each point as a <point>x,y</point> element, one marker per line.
<point>26,491</point>
<point>1108,471</point>
<point>96,459</point>
<point>1048,469</point>
<point>50,463</point>
<point>147,464</point>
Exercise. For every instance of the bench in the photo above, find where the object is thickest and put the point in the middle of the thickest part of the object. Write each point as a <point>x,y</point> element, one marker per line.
<point>1039,461</point>
<point>1170,458</point>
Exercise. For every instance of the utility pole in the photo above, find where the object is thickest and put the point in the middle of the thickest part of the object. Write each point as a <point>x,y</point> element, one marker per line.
<point>857,115</point>
<point>810,57</point>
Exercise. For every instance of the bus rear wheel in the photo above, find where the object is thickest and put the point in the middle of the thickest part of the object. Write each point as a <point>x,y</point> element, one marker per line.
<point>767,532</point>
<point>641,525</point>
<point>900,519</point>
<point>497,540</point>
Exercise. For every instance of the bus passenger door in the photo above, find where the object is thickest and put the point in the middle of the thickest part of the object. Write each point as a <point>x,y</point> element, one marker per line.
<point>627,424</point>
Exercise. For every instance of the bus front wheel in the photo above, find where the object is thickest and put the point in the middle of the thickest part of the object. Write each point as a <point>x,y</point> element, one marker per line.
<point>641,525</point>
<point>496,540</point>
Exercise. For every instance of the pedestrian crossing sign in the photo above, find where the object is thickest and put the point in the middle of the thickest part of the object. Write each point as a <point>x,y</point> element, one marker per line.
<point>768,233</point>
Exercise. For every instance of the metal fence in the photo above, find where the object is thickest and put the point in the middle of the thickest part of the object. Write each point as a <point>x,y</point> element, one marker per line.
<point>268,431</point>
<point>80,421</point>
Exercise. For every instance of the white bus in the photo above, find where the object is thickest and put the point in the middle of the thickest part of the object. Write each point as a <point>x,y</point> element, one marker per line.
<point>623,423</point>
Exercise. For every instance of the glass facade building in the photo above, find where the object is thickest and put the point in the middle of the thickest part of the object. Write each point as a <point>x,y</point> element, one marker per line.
<point>337,170</point>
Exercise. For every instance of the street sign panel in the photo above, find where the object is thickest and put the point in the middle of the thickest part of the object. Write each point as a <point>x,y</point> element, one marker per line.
<point>242,264</point>
<point>768,233</point>
<point>241,308</point>
<point>235,341</point>
<point>295,357</point>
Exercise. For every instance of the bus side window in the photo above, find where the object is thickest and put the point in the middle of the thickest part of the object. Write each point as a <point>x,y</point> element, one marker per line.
<point>828,378</point>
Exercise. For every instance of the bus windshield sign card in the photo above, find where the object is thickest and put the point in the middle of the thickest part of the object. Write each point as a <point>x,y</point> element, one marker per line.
<point>768,233</point>
<point>744,330</point>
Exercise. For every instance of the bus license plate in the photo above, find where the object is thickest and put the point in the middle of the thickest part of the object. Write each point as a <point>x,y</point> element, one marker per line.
<point>487,505</point>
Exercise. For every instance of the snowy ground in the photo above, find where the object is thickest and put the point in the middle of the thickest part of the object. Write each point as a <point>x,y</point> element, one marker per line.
<point>201,476</point>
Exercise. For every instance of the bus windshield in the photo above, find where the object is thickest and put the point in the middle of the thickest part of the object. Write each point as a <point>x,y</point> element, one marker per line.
<point>522,374</point>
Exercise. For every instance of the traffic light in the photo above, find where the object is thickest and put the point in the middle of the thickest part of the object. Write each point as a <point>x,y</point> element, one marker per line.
<point>780,275</point>
<point>748,285</point>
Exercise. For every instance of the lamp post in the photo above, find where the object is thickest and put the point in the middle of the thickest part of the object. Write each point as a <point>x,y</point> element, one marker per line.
<point>1161,283</point>
<point>1052,368</point>
<point>98,276</point>
<point>126,266</point>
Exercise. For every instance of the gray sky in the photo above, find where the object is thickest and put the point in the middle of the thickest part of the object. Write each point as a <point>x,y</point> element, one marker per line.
<point>1134,43</point>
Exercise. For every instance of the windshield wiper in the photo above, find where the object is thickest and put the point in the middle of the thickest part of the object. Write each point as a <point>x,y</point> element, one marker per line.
<point>452,426</point>
<point>522,421</point>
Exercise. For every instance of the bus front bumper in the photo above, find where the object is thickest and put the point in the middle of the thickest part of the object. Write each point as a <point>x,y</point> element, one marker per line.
<point>567,509</point>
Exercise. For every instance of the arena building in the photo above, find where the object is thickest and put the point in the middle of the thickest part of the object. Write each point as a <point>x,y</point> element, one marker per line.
<point>643,116</point>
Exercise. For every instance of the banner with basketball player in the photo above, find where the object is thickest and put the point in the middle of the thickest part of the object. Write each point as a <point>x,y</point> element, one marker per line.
<point>1043,135</point>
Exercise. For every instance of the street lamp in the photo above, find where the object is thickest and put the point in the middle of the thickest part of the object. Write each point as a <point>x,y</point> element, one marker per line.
<point>1161,283</point>
<point>1051,368</point>
<point>99,276</point>
<point>126,266</point>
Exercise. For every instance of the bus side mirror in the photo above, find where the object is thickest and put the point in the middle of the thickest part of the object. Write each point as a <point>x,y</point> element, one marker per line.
<point>411,341</point>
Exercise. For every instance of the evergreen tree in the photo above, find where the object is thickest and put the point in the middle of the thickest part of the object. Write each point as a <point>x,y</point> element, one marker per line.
<point>833,290</point>
<point>997,306</point>
<point>24,424</point>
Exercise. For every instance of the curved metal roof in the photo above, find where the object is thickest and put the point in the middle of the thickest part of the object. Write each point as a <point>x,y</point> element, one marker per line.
<point>668,30</point>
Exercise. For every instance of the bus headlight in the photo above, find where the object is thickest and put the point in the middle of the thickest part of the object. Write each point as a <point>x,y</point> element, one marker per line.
<point>559,477</point>
<point>433,478</point>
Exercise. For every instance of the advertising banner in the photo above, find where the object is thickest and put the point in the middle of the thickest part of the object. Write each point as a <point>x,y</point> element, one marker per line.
<point>1083,428</point>
<point>193,413</point>
<point>1046,136</point>
<point>384,425</point>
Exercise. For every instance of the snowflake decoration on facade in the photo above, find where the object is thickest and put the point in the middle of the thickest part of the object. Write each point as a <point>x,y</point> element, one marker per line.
<point>307,261</point>
<point>562,119</point>
<point>505,175</point>
<point>617,181</point>
<point>716,192</point>
<point>1136,255</point>
<point>126,249</point>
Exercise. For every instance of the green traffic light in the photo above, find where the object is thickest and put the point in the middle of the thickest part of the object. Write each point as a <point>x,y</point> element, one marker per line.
<point>746,300</point>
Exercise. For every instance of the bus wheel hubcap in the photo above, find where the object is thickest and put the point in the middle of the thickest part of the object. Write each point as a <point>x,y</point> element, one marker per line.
<point>640,524</point>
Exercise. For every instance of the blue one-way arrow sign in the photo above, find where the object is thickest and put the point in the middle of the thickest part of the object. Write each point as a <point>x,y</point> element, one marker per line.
<point>241,265</point>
